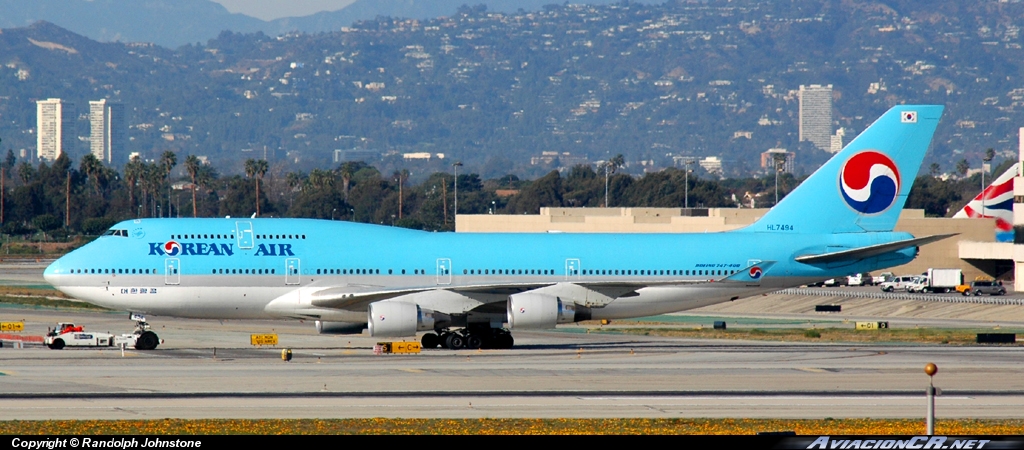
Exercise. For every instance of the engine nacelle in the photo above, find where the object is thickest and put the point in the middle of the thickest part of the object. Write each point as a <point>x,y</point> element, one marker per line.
<point>398,319</point>
<point>339,327</point>
<point>529,310</point>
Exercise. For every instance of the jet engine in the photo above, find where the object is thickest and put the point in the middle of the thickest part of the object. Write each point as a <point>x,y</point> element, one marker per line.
<point>399,319</point>
<point>339,327</point>
<point>530,310</point>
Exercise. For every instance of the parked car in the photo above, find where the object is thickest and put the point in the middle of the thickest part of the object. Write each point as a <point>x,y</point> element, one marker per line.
<point>834,282</point>
<point>882,278</point>
<point>860,279</point>
<point>989,287</point>
<point>899,283</point>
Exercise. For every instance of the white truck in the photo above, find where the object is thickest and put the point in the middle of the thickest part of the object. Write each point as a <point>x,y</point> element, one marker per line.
<point>67,334</point>
<point>938,280</point>
<point>899,283</point>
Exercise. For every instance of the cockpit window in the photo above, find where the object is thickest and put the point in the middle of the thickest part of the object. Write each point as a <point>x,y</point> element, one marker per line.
<point>113,232</point>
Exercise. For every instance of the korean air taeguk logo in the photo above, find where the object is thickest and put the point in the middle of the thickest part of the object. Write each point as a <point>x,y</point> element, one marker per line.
<point>755,272</point>
<point>172,248</point>
<point>869,182</point>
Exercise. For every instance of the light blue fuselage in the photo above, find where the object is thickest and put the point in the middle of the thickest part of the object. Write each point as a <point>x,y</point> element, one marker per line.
<point>232,268</point>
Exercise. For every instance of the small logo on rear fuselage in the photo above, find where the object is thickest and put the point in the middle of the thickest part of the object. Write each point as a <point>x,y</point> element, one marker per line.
<point>755,272</point>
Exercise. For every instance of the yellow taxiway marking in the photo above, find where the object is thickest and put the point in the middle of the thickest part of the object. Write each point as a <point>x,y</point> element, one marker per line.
<point>412,370</point>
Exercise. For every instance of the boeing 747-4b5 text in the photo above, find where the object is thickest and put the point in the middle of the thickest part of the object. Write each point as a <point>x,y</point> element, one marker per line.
<point>467,290</point>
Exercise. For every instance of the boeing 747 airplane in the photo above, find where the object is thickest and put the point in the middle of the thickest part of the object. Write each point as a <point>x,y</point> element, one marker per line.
<point>467,290</point>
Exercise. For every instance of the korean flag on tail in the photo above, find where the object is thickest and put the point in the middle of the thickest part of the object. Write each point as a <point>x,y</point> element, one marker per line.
<point>908,117</point>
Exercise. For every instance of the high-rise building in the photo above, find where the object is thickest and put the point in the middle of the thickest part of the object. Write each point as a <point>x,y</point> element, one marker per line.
<point>55,133</point>
<point>816,115</point>
<point>106,130</point>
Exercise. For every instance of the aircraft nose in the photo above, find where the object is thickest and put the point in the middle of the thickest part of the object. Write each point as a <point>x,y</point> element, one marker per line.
<point>52,273</point>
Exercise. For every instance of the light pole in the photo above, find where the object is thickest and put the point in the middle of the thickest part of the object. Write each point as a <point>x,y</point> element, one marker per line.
<point>984,168</point>
<point>332,213</point>
<point>494,207</point>
<point>779,165</point>
<point>606,164</point>
<point>930,369</point>
<point>456,168</point>
<point>686,190</point>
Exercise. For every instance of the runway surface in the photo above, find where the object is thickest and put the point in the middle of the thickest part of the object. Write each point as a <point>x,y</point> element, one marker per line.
<point>207,369</point>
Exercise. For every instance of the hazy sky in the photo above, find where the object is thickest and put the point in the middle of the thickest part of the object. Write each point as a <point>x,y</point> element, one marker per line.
<point>275,9</point>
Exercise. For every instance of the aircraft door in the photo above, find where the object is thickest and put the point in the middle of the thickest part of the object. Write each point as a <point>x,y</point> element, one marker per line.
<point>172,269</point>
<point>572,269</point>
<point>444,271</point>
<point>292,274</point>
<point>244,236</point>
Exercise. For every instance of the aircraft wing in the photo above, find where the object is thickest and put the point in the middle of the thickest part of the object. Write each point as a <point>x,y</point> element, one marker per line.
<point>871,250</point>
<point>459,299</point>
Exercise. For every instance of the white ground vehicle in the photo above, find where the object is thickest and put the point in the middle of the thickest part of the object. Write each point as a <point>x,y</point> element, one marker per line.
<point>860,279</point>
<point>882,277</point>
<point>899,283</point>
<point>67,334</point>
<point>942,280</point>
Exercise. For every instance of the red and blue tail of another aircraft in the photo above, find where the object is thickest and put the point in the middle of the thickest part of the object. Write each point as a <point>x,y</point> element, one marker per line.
<point>995,202</point>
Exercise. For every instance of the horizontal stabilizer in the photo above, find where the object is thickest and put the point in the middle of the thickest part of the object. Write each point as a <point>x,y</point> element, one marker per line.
<point>871,250</point>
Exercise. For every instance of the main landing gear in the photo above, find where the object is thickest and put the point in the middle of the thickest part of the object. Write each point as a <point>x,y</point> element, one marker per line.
<point>471,338</point>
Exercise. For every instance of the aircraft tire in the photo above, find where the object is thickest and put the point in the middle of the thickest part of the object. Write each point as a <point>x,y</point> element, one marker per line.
<point>148,340</point>
<point>57,344</point>
<point>473,341</point>
<point>455,342</point>
<point>430,340</point>
<point>505,341</point>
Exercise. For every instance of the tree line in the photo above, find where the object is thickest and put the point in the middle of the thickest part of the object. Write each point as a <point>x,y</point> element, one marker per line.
<point>61,199</point>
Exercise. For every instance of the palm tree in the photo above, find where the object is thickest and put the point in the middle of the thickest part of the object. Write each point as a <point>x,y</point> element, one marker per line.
<point>262,166</point>
<point>192,166</point>
<point>152,177</point>
<point>294,180</point>
<point>167,161</point>
<point>92,168</point>
<point>320,179</point>
<point>132,172</point>
<point>5,168</point>
<point>346,172</point>
<point>256,168</point>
